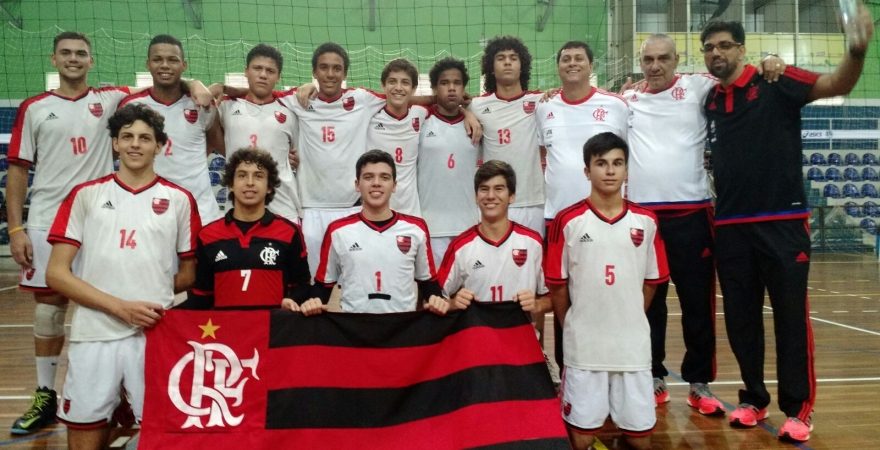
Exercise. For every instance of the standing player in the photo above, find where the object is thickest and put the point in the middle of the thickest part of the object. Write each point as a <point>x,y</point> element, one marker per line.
<point>569,119</point>
<point>496,260</point>
<point>184,159</point>
<point>252,257</point>
<point>63,135</point>
<point>332,135</point>
<point>377,253</point>
<point>510,132</point>
<point>604,256</point>
<point>762,237</point>
<point>257,119</point>
<point>447,159</point>
<point>127,229</point>
<point>395,129</point>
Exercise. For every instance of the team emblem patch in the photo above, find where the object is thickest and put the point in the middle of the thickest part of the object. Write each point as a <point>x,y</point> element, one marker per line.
<point>600,114</point>
<point>348,103</point>
<point>160,205</point>
<point>520,255</point>
<point>280,117</point>
<point>404,243</point>
<point>416,124</point>
<point>678,93</point>
<point>191,115</point>
<point>528,107</point>
<point>752,93</point>
<point>66,406</point>
<point>96,109</point>
<point>566,408</point>
<point>29,274</point>
<point>637,235</point>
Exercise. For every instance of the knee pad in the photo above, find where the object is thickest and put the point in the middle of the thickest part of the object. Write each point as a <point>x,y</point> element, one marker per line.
<point>49,320</point>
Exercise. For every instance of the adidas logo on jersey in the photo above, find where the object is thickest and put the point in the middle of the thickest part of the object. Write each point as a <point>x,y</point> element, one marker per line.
<point>379,126</point>
<point>550,115</point>
<point>486,111</point>
<point>586,238</point>
<point>51,116</point>
<point>549,133</point>
<point>236,113</point>
<point>108,205</point>
<point>478,265</point>
<point>355,247</point>
<point>431,134</point>
<point>310,108</point>
<point>220,256</point>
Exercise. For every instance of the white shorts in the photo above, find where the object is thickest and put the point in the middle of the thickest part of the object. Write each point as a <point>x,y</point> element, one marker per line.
<point>588,397</point>
<point>95,374</point>
<point>34,280</point>
<point>314,223</point>
<point>438,247</point>
<point>528,216</point>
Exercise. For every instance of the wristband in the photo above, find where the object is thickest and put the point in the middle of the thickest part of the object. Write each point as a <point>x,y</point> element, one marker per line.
<point>14,230</point>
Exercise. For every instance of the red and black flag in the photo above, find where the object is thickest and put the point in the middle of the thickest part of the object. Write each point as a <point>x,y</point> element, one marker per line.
<point>264,379</point>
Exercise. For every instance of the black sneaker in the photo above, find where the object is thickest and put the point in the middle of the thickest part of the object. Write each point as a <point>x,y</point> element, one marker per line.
<point>40,414</point>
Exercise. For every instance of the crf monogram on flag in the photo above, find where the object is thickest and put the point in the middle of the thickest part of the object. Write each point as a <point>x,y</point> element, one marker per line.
<point>276,379</point>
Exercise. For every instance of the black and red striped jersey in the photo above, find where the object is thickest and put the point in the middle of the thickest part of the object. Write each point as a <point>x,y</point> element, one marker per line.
<point>249,269</point>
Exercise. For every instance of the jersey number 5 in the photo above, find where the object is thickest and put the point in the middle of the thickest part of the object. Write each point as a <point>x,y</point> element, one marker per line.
<point>609,274</point>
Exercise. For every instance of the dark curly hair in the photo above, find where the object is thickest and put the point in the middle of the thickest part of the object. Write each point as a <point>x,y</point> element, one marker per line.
<point>259,157</point>
<point>128,114</point>
<point>445,64</point>
<point>501,43</point>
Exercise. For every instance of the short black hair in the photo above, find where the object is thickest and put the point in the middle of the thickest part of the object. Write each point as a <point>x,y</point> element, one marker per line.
<point>401,65</point>
<point>603,143</point>
<point>575,44</point>
<point>330,47</point>
<point>493,168</point>
<point>128,114</point>
<point>445,64</point>
<point>75,35</point>
<point>499,44</point>
<point>266,51</point>
<point>259,157</point>
<point>718,26</point>
<point>166,39</point>
<point>375,156</point>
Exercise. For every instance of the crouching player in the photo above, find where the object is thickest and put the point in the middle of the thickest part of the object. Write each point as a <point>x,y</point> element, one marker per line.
<point>604,258</point>
<point>127,228</point>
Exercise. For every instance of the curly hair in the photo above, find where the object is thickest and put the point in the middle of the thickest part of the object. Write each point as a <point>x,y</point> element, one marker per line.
<point>259,157</point>
<point>499,44</point>
<point>445,64</point>
<point>128,114</point>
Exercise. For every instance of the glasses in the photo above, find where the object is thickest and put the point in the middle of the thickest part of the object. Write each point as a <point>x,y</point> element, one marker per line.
<point>723,45</point>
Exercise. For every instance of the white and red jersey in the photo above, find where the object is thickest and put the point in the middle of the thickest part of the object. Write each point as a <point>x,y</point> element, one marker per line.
<point>494,271</point>
<point>332,136</point>
<point>399,136</point>
<point>376,267</point>
<point>447,164</point>
<point>129,241</point>
<point>564,126</point>
<point>68,140</point>
<point>606,261</point>
<point>184,160</point>
<point>271,127</point>
<point>666,144</point>
<point>510,134</point>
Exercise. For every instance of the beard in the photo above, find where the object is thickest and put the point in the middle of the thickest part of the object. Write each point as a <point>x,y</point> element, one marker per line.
<point>722,72</point>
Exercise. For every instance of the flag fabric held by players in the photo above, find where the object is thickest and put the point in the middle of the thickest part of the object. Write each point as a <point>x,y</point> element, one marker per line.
<point>255,379</point>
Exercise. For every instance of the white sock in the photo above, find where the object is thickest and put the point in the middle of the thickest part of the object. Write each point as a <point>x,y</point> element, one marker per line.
<point>46,368</point>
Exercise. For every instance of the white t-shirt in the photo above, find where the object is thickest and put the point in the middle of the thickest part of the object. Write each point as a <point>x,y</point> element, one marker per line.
<point>332,136</point>
<point>494,271</point>
<point>510,135</point>
<point>376,267</point>
<point>564,126</point>
<point>666,141</point>
<point>271,127</point>
<point>399,136</point>
<point>184,160</point>
<point>129,241</point>
<point>68,140</point>
<point>605,261</point>
<point>447,164</point>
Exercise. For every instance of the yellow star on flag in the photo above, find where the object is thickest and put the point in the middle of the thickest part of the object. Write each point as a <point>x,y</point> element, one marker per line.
<point>209,329</point>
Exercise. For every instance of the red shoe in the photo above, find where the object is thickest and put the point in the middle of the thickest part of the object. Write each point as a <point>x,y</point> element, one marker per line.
<point>747,416</point>
<point>795,430</point>
<point>704,400</point>
<point>661,394</point>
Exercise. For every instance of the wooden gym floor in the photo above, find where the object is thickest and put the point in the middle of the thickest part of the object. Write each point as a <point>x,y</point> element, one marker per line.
<point>845,307</point>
